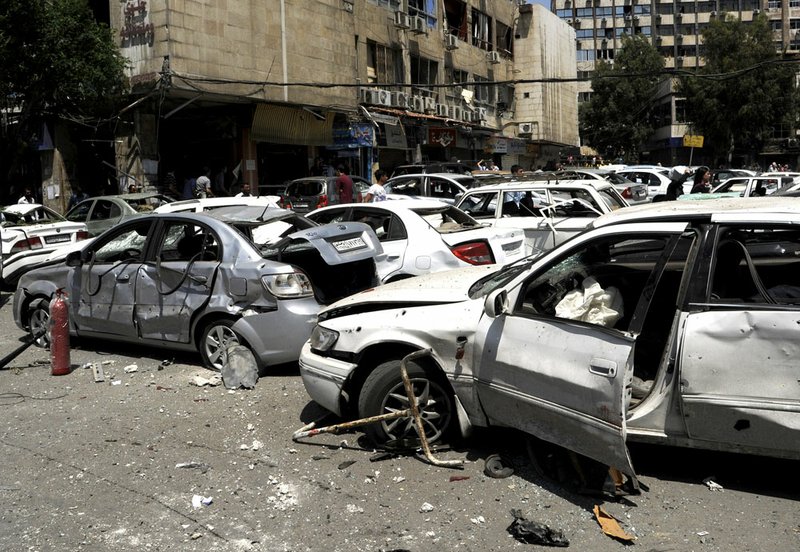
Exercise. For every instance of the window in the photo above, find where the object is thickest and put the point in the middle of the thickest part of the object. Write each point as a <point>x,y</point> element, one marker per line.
<point>585,55</point>
<point>481,30</point>
<point>387,226</point>
<point>609,274</point>
<point>455,13</point>
<point>104,210</point>
<point>188,243</point>
<point>757,265</point>
<point>454,76</point>
<point>393,4</point>
<point>425,9</point>
<point>382,64</point>
<point>125,246</point>
<point>423,73</point>
<point>482,91</point>
<point>505,39</point>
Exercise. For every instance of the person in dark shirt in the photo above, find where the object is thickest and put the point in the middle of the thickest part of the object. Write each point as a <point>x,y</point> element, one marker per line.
<point>344,185</point>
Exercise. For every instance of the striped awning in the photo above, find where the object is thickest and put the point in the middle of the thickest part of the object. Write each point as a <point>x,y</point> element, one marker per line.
<point>282,124</point>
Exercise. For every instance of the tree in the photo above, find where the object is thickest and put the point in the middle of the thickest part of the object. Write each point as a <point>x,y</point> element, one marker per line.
<point>743,91</point>
<point>616,119</point>
<point>56,61</point>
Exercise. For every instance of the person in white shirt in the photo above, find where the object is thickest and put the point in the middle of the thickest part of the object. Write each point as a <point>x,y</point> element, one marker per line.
<point>376,192</point>
<point>27,197</point>
<point>245,191</point>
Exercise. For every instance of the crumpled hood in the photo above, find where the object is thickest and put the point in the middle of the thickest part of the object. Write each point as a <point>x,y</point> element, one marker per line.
<point>449,286</point>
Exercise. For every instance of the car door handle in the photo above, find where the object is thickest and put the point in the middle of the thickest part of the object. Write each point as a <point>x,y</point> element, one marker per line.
<point>123,277</point>
<point>603,367</point>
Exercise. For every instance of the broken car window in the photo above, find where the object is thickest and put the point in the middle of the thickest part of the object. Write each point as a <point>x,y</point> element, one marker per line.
<point>126,246</point>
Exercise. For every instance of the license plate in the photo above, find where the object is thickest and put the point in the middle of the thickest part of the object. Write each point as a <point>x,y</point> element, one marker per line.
<point>300,205</point>
<point>349,245</point>
<point>57,239</point>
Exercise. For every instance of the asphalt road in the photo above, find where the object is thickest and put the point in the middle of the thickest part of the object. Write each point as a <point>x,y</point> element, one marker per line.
<point>93,466</point>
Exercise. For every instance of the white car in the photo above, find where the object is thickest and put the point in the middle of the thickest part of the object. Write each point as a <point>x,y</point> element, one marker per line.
<point>425,235</point>
<point>210,203</point>
<point>443,187</point>
<point>670,323</point>
<point>30,232</point>
<point>549,212</point>
<point>655,178</point>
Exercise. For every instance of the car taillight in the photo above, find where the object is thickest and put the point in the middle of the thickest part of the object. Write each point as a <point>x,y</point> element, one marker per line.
<point>81,235</point>
<point>322,201</point>
<point>626,193</point>
<point>476,253</point>
<point>26,245</point>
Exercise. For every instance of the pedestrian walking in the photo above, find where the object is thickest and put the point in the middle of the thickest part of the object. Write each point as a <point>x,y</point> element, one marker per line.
<point>376,192</point>
<point>344,185</point>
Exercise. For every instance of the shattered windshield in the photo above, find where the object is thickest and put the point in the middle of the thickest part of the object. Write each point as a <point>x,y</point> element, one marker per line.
<point>447,219</point>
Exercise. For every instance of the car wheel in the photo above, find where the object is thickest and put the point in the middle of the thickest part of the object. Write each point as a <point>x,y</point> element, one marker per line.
<point>38,321</point>
<point>383,392</point>
<point>217,337</point>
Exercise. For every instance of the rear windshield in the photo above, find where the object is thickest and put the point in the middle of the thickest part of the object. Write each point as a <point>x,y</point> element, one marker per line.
<point>447,219</point>
<point>304,188</point>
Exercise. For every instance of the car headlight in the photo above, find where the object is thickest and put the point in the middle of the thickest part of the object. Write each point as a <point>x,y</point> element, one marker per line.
<point>288,286</point>
<point>322,339</point>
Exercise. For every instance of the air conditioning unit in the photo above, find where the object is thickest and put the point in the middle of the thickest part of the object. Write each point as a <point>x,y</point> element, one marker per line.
<point>659,40</point>
<point>493,57</point>
<point>384,97</point>
<point>466,115</point>
<point>442,110</point>
<point>756,11</point>
<point>636,18</point>
<point>450,42</point>
<point>714,13</point>
<point>369,95</point>
<point>525,129</point>
<point>479,114</point>
<point>417,104</point>
<point>679,59</point>
<point>402,20</point>
<point>419,25</point>
<point>429,104</point>
<point>658,17</point>
<point>455,112</point>
<point>400,99</point>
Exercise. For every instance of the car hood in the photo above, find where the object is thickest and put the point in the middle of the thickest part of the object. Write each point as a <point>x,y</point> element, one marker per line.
<point>450,286</point>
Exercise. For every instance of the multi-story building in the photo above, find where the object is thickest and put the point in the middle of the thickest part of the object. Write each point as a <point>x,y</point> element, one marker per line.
<point>675,28</point>
<point>259,89</point>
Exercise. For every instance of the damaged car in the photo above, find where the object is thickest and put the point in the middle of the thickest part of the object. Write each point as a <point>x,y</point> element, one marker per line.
<point>675,325</point>
<point>193,282</point>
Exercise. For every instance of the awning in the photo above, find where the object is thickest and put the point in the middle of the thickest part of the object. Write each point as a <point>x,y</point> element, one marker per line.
<point>291,125</point>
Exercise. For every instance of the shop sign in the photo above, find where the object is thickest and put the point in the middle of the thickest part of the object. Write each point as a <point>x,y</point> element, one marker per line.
<point>136,30</point>
<point>442,136</point>
<point>395,136</point>
<point>357,135</point>
<point>517,147</point>
<point>495,144</point>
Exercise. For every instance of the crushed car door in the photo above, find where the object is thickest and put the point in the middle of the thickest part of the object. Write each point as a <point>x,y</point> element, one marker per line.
<point>105,291</point>
<point>739,357</point>
<point>177,283</point>
<point>559,363</point>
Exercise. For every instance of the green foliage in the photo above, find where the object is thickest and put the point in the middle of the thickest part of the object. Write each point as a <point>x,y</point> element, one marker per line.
<point>744,90</point>
<point>616,119</point>
<point>55,61</point>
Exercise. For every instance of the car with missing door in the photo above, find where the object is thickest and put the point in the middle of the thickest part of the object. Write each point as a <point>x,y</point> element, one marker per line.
<point>672,325</point>
<point>548,211</point>
<point>198,283</point>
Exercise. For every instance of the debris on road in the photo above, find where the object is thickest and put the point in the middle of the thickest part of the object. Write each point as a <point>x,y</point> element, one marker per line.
<point>611,526</point>
<point>346,464</point>
<point>130,368</point>
<point>426,507</point>
<point>200,381</point>
<point>712,485</point>
<point>198,501</point>
<point>240,369</point>
<point>532,532</point>
<point>498,468</point>
<point>194,465</point>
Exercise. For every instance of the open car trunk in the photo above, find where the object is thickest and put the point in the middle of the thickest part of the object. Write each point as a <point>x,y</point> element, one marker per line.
<point>339,259</point>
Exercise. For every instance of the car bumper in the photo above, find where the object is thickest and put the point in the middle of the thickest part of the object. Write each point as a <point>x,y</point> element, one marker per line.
<point>276,337</point>
<point>324,378</point>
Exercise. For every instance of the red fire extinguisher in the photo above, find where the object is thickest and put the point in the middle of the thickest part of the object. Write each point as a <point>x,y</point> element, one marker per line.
<point>59,335</point>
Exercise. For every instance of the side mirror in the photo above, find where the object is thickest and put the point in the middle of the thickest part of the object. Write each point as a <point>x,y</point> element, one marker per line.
<point>74,259</point>
<point>496,303</point>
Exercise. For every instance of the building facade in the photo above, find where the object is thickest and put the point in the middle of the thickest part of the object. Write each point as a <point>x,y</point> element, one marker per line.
<point>674,27</point>
<point>256,90</point>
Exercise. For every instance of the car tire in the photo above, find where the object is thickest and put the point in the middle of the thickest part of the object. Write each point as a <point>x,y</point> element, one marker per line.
<point>383,392</point>
<point>217,336</point>
<point>39,319</point>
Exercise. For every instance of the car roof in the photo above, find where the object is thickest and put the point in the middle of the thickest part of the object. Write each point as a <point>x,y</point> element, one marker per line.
<point>129,197</point>
<point>395,206</point>
<point>556,184</point>
<point>697,209</point>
